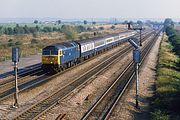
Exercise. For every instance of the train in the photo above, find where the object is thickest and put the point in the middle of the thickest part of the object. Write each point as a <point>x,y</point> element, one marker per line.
<point>60,56</point>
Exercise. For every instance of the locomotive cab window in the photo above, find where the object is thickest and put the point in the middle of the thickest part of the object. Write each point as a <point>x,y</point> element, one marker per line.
<point>50,50</point>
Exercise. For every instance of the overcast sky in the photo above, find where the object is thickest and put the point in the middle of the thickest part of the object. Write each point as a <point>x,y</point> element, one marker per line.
<point>90,8</point>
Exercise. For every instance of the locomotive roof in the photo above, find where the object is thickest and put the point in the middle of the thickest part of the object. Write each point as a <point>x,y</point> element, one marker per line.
<point>62,45</point>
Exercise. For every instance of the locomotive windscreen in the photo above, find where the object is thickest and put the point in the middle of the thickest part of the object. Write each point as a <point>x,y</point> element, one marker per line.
<point>50,50</point>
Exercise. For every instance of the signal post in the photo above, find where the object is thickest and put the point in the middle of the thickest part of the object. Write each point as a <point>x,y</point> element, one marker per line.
<point>15,59</point>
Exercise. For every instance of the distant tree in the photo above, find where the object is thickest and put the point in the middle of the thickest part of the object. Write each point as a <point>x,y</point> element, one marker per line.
<point>112,27</point>
<point>80,28</point>
<point>10,31</point>
<point>1,30</point>
<point>125,22</point>
<point>47,29</point>
<point>38,28</point>
<point>26,29</point>
<point>139,22</point>
<point>35,21</point>
<point>101,28</point>
<point>55,29</point>
<point>21,30</point>
<point>15,30</point>
<point>85,22</point>
<point>18,29</point>
<point>59,30</point>
<point>168,23</point>
<point>59,21</point>
<point>93,22</point>
<point>32,29</point>
<point>6,31</point>
<point>131,22</point>
<point>17,25</point>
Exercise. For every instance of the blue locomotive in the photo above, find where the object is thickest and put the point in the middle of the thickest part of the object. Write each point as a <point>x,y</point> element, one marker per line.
<point>60,56</point>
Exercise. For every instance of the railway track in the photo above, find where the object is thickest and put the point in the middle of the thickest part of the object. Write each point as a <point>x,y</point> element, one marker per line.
<point>27,81</point>
<point>21,72</point>
<point>8,82</point>
<point>41,107</point>
<point>103,107</point>
<point>7,88</point>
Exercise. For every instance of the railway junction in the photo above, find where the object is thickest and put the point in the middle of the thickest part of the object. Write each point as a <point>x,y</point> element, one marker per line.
<point>100,87</point>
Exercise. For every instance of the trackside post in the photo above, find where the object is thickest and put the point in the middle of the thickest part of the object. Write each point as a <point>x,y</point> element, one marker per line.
<point>15,59</point>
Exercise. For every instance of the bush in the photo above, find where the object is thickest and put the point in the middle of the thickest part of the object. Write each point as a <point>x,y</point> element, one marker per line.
<point>158,115</point>
<point>34,41</point>
<point>18,43</point>
<point>47,29</point>
<point>89,29</point>
<point>35,35</point>
<point>112,27</point>
<point>11,44</point>
<point>10,40</point>
<point>101,28</point>
<point>69,31</point>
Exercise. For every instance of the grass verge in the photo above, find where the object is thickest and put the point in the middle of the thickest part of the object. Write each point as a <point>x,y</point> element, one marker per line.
<point>166,103</point>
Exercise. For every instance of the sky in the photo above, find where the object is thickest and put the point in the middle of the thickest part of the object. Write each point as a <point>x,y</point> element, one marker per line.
<point>89,8</point>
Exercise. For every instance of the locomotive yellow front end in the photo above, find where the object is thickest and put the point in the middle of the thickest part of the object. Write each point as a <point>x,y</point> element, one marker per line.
<point>51,58</point>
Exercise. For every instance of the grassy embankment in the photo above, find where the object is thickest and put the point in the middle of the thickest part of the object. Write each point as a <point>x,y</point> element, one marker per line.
<point>166,105</point>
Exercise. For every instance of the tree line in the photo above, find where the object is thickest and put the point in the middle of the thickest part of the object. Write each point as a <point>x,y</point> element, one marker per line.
<point>173,34</point>
<point>174,38</point>
<point>30,30</point>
